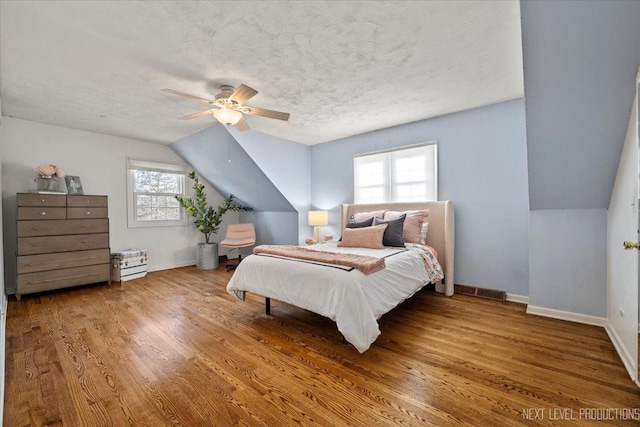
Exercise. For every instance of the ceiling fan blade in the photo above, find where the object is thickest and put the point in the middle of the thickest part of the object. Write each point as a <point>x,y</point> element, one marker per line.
<point>186,95</point>
<point>262,112</point>
<point>242,94</point>
<point>195,115</point>
<point>242,125</point>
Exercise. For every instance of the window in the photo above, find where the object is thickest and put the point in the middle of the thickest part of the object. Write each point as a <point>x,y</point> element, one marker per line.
<point>152,187</point>
<point>403,175</point>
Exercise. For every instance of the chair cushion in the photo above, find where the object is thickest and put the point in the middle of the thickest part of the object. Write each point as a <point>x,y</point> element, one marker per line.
<point>238,243</point>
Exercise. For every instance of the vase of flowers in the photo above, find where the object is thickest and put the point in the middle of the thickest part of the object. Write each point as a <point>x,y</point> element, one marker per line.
<point>48,175</point>
<point>207,220</point>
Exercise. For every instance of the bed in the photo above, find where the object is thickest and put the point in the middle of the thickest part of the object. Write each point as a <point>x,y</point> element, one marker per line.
<point>352,299</point>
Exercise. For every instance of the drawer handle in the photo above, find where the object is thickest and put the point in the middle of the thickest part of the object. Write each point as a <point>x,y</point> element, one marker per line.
<point>64,278</point>
<point>88,241</point>
<point>87,213</point>
<point>38,228</point>
<point>43,200</point>
<point>87,201</point>
<point>63,260</point>
<point>43,213</point>
<point>87,226</point>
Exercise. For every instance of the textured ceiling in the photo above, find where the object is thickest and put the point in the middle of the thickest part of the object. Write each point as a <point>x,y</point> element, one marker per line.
<point>340,68</point>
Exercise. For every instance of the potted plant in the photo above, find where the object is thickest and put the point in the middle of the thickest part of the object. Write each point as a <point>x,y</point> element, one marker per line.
<point>207,220</point>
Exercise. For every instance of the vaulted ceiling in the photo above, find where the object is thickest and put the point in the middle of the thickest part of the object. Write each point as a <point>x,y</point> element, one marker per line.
<point>580,65</point>
<point>339,67</point>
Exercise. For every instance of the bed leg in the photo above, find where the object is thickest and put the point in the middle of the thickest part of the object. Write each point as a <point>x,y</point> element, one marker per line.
<point>267,305</point>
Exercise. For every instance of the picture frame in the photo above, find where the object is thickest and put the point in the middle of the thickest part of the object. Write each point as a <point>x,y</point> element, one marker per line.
<point>74,185</point>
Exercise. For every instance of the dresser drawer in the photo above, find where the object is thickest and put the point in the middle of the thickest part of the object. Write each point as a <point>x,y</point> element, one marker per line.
<point>25,199</point>
<point>56,279</point>
<point>59,227</point>
<point>84,201</point>
<point>45,213</point>
<point>45,262</point>
<point>50,244</point>
<point>87,212</point>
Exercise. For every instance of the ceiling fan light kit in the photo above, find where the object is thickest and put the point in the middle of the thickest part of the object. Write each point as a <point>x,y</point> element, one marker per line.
<point>229,109</point>
<point>227,116</point>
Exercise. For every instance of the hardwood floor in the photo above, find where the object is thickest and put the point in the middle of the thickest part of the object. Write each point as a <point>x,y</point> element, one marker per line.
<point>174,348</point>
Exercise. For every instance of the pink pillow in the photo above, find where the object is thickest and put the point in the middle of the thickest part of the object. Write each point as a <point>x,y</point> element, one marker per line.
<point>367,237</point>
<point>412,232</point>
<point>361,216</point>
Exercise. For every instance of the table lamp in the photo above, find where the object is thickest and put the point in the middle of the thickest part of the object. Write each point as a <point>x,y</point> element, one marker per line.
<point>317,219</point>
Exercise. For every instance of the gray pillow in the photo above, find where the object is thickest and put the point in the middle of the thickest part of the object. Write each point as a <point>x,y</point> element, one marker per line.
<point>393,233</point>
<point>361,224</point>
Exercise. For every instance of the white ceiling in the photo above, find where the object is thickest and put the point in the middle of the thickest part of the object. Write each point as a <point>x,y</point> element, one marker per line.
<point>340,68</point>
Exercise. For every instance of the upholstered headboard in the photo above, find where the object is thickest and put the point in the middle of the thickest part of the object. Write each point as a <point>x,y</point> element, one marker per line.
<point>441,233</point>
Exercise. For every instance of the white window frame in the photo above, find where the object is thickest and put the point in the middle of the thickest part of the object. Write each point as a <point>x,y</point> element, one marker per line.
<point>388,184</point>
<point>133,165</point>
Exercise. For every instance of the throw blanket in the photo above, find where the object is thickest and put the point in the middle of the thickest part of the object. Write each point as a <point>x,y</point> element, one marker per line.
<point>365,264</point>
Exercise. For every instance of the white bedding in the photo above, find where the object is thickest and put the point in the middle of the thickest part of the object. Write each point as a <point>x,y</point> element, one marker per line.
<point>351,299</point>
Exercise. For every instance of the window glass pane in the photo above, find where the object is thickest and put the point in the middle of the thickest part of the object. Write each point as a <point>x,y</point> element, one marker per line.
<point>173,213</point>
<point>408,174</point>
<point>153,192</point>
<point>411,192</point>
<point>410,169</point>
<point>142,181</point>
<point>168,183</point>
<point>371,195</point>
<point>143,201</point>
<point>371,174</point>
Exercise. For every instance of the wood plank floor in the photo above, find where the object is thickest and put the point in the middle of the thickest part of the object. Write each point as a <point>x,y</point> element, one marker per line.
<point>174,348</point>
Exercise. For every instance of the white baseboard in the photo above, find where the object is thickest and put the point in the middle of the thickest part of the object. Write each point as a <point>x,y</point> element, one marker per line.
<point>173,265</point>
<point>180,264</point>
<point>567,315</point>
<point>624,354</point>
<point>521,299</point>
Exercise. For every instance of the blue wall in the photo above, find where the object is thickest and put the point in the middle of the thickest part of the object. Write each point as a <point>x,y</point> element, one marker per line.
<point>219,159</point>
<point>580,62</point>
<point>287,164</point>
<point>209,151</point>
<point>568,260</point>
<point>482,166</point>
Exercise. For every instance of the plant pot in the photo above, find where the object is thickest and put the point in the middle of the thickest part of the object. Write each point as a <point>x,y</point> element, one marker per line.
<point>47,183</point>
<point>207,256</point>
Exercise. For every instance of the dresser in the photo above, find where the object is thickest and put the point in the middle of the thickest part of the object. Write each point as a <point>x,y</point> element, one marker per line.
<point>63,241</point>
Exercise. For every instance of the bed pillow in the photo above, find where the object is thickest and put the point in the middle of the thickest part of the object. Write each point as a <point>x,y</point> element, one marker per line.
<point>366,237</point>
<point>361,224</point>
<point>423,232</point>
<point>361,216</point>
<point>393,234</point>
<point>412,224</point>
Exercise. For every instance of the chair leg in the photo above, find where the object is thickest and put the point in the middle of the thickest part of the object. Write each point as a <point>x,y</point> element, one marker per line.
<point>231,267</point>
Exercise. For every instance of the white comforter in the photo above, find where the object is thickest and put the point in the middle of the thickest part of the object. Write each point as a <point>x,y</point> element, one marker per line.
<point>351,299</point>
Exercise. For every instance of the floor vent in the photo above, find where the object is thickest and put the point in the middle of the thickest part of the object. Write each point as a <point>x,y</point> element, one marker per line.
<point>481,292</point>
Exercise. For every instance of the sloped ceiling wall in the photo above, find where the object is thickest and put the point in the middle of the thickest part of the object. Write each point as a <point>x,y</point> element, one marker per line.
<point>286,163</point>
<point>580,63</point>
<point>221,161</point>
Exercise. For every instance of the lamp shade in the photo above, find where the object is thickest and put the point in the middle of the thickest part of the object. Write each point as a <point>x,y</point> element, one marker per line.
<point>227,116</point>
<point>317,218</point>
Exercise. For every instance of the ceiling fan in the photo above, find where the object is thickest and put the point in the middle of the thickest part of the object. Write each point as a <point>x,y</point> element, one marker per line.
<point>229,109</point>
